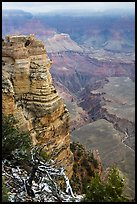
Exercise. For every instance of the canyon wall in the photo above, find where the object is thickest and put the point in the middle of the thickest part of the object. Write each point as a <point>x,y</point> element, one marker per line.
<point>28,94</point>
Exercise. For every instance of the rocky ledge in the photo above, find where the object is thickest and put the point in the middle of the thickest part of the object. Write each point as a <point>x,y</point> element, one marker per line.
<point>28,94</point>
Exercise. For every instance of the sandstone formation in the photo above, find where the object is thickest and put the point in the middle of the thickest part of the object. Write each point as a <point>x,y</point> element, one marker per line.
<point>28,94</point>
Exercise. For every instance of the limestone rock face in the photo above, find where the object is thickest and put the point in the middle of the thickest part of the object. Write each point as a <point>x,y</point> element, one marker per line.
<point>28,94</point>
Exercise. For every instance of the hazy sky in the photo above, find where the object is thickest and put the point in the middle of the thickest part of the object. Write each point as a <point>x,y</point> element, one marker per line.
<point>52,6</point>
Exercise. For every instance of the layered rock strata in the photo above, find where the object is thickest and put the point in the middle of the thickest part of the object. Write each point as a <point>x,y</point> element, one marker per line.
<point>28,94</point>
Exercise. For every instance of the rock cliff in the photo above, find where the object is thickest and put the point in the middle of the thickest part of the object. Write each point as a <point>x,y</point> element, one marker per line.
<point>28,94</point>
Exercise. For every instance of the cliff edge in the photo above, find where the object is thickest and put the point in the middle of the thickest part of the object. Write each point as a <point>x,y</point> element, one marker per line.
<point>28,94</point>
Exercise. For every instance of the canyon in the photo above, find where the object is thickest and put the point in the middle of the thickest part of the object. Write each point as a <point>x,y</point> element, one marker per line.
<point>111,107</point>
<point>93,70</point>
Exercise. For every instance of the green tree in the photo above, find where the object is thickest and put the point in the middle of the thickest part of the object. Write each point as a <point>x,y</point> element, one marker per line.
<point>16,145</point>
<point>106,191</point>
<point>115,186</point>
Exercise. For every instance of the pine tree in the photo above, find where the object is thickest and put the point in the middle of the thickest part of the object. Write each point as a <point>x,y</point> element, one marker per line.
<point>15,144</point>
<point>106,191</point>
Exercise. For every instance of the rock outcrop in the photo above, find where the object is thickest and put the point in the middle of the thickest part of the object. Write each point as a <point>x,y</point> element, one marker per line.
<point>62,43</point>
<point>28,94</point>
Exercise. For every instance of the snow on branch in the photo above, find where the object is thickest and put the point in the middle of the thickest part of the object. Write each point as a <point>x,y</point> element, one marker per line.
<point>40,184</point>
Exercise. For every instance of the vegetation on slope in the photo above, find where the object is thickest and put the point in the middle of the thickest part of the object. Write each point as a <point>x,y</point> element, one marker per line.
<point>85,166</point>
<point>89,179</point>
<point>109,190</point>
<point>16,145</point>
<point>22,184</point>
<point>28,172</point>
